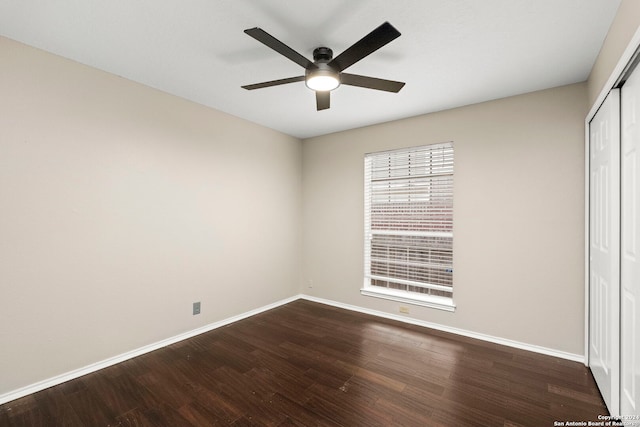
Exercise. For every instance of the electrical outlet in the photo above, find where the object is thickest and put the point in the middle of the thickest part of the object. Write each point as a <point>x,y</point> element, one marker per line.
<point>404,310</point>
<point>310,283</point>
<point>196,308</point>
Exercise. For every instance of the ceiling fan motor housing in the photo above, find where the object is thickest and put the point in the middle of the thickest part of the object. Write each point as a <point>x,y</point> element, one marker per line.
<point>323,54</point>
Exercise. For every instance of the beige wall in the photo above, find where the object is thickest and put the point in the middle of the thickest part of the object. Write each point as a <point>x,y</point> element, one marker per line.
<point>120,206</point>
<point>624,26</point>
<point>519,215</point>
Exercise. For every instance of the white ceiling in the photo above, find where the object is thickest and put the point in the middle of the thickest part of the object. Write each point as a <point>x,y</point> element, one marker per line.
<point>451,52</point>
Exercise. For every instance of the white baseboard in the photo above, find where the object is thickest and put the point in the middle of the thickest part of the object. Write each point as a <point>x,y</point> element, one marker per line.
<point>41,385</point>
<point>444,328</point>
<point>59,379</point>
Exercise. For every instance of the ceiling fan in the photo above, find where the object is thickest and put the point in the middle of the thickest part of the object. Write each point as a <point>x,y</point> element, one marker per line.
<point>325,73</point>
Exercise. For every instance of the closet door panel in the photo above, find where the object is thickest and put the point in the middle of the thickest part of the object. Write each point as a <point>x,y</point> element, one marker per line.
<point>604,250</point>
<point>630,256</point>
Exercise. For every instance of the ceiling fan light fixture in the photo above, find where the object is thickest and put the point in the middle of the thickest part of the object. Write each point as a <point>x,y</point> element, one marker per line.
<point>322,80</point>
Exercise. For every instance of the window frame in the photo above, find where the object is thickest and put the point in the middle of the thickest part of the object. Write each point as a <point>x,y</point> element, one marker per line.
<point>406,296</point>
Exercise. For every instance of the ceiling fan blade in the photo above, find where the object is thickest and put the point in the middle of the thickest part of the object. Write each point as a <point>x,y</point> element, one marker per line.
<point>370,82</point>
<point>275,44</point>
<point>365,46</point>
<point>274,83</point>
<point>322,100</point>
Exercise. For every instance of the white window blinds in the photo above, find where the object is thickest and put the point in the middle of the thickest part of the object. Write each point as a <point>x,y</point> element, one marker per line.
<point>409,221</point>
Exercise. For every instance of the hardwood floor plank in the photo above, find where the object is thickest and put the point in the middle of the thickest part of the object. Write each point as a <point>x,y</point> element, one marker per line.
<point>377,380</point>
<point>55,407</point>
<point>165,416</point>
<point>346,411</point>
<point>199,415</point>
<point>455,414</point>
<point>90,409</point>
<point>299,414</point>
<point>133,418</point>
<point>308,364</point>
<point>406,413</point>
<point>253,398</point>
<point>221,406</point>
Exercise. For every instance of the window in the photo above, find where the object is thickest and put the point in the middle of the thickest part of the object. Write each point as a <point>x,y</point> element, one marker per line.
<point>409,225</point>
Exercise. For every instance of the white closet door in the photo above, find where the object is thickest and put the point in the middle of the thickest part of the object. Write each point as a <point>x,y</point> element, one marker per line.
<point>630,252</point>
<point>604,250</point>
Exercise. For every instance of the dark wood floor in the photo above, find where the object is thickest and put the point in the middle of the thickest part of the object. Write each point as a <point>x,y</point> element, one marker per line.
<point>307,364</point>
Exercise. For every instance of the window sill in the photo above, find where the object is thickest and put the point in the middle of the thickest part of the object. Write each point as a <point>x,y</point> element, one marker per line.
<point>440,303</point>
